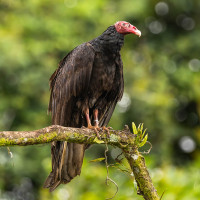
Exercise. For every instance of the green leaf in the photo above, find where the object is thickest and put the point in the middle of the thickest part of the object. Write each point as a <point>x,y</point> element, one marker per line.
<point>144,141</point>
<point>126,170</point>
<point>141,127</point>
<point>143,135</point>
<point>97,160</point>
<point>98,141</point>
<point>134,128</point>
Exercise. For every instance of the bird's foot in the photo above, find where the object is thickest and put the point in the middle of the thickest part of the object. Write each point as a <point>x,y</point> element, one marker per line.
<point>107,129</point>
<point>96,129</point>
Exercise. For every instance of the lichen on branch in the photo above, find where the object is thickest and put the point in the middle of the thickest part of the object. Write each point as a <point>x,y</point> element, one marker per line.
<point>60,133</point>
<point>124,139</point>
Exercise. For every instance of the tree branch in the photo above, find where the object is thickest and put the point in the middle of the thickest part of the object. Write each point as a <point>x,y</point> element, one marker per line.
<point>123,139</point>
<point>60,133</point>
<point>144,182</point>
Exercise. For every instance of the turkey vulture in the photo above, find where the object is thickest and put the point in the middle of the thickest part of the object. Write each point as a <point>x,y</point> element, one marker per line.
<point>85,90</point>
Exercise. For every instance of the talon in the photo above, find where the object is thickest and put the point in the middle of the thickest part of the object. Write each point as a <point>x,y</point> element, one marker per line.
<point>98,136</point>
<point>96,129</point>
<point>110,128</point>
<point>107,130</point>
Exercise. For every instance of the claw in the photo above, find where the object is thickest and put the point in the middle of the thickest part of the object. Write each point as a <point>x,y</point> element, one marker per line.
<point>110,128</point>
<point>107,130</point>
<point>96,129</point>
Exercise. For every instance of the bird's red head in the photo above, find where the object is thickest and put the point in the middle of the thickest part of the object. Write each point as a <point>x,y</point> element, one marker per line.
<point>126,28</point>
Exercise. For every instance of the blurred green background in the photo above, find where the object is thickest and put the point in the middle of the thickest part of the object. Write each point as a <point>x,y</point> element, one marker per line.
<point>162,90</point>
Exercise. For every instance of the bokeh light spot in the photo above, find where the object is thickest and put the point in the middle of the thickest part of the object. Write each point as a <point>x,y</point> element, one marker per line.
<point>187,144</point>
<point>194,65</point>
<point>170,67</point>
<point>185,22</point>
<point>63,194</point>
<point>161,8</point>
<point>181,115</point>
<point>188,23</point>
<point>156,27</point>
<point>124,104</point>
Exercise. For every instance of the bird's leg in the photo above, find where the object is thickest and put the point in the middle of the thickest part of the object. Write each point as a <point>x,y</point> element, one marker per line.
<point>96,121</point>
<point>89,125</point>
<point>87,116</point>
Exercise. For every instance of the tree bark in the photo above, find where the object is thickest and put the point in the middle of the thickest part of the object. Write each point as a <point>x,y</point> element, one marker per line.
<point>123,139</point>
<point>141,174</point>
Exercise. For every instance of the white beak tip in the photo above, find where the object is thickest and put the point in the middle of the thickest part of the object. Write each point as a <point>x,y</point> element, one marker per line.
<point>137,32</point>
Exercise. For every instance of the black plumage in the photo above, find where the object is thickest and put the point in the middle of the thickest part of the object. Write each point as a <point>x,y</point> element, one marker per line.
<point>89,78</point>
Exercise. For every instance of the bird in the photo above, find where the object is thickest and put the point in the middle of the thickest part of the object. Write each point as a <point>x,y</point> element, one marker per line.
<point>84,91</point>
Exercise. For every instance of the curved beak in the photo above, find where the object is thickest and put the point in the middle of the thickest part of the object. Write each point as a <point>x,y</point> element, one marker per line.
<point>133,29</point>
<point>137,32</point>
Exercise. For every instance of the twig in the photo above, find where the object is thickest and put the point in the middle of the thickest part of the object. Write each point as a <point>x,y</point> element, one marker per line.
<point>9,152</point>
<point>108,178</point>
<point>162,195</point>
<point>149,150</point>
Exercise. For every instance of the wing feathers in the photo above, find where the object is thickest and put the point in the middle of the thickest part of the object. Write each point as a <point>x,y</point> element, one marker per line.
<point>71,79</point>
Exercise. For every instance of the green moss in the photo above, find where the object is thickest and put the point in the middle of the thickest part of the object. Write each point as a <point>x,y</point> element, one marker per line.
<point>114,138</point>
<point>144,182</point>
<point>3,142</point>
<point>46,138</point>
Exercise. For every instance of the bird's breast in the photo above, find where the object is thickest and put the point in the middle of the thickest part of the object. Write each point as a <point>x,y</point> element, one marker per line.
<point>103,74</point>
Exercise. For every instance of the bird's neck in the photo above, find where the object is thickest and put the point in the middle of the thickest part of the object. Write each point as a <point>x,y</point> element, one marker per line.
<point>110,40</point>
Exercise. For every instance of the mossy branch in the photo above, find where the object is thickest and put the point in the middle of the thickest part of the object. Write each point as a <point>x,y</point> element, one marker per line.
<point>60,133</point>
<point>123,139</point>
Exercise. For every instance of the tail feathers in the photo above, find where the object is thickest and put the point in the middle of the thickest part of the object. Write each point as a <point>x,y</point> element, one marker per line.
<point>67,159</point>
